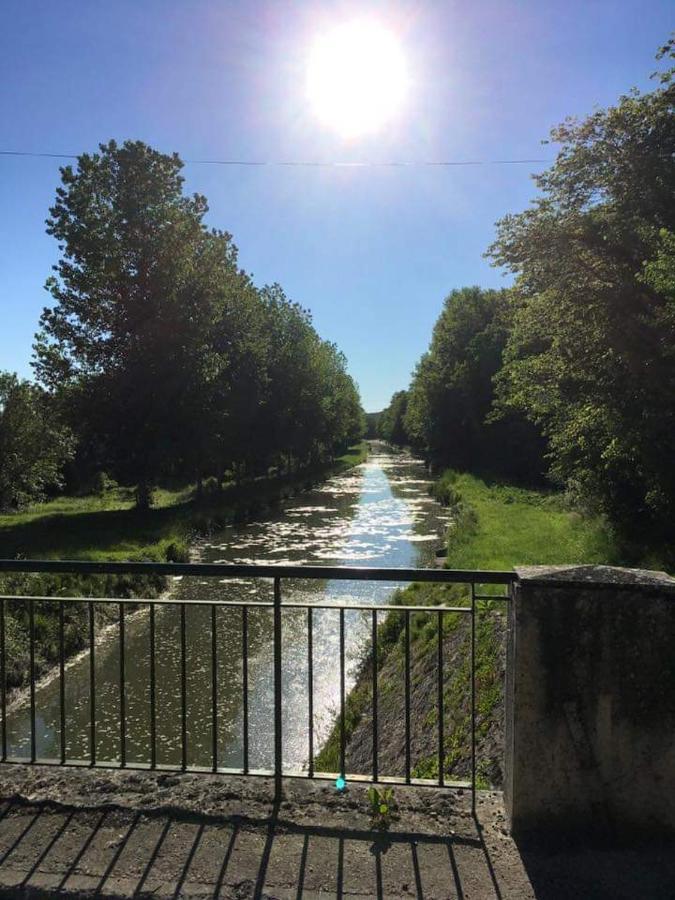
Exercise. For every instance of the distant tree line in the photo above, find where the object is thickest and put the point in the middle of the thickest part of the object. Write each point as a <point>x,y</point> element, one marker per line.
<point>448,409</point>
<point>577,359</point>
<point>159,358</point>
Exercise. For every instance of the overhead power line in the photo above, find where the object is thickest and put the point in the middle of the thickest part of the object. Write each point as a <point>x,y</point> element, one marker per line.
<point>318,164</point>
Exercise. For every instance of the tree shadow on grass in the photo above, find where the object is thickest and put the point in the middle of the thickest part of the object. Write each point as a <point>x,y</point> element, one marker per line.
<point>92,534</point>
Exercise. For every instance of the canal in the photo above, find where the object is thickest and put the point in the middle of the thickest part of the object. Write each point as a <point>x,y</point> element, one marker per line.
<point>378,514</point>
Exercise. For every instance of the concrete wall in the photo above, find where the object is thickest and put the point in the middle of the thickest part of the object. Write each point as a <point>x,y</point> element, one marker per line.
<point>590,701</point>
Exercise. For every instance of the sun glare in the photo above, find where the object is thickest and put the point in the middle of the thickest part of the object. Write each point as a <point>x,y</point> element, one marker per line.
<point>356,78</point>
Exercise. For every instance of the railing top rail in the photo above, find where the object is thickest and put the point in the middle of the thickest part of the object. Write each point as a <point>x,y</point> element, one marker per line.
<point>238,604</point>
<point>228,570</point>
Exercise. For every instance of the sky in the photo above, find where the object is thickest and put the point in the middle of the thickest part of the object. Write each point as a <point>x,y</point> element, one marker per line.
<point>372,252</point>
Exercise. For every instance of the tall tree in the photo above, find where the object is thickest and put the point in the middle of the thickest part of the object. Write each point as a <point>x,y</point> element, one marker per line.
<point>137,290</point>
<point>451,396</point>
<point>172,362</point>
<point>391,423</point>
<point>591,356</point>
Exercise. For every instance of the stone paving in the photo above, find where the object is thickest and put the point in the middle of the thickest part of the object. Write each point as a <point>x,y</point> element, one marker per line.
<point>90,833</point>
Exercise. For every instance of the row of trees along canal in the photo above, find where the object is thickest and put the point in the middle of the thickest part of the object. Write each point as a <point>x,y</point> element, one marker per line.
<point>160,358</point>
<point>568,377</point>
<point>570,374</point>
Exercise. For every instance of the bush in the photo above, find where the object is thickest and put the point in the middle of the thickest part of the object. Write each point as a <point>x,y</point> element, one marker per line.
<point>177,552</point>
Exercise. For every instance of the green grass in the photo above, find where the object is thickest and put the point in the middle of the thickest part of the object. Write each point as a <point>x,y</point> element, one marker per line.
<point>501,526</point>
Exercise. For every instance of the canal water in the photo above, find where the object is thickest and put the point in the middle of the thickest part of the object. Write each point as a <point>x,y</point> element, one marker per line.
<point>377,514</point>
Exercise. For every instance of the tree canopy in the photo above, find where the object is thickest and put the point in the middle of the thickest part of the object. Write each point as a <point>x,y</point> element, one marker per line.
<point>170,359</point>
<point>450,400</point>
<point>391,421</point>
<point>591,353</point>
<point>34,442</point>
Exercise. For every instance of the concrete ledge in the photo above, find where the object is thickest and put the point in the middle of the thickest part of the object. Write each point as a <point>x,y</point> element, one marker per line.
<point>613,577</point>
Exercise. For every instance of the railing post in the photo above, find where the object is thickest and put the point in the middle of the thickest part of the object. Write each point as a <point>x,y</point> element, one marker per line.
<point>473,698</point>
<point>278,742</point>
<point>3,680</point>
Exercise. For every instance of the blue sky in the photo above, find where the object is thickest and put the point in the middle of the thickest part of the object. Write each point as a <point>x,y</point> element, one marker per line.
<point>372,252</point>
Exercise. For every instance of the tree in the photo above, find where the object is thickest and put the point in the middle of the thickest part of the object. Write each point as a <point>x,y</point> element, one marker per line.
<point>34,443</point>
<point>171,361</point>
<point>591,355</point>
<point>138,288</point>
<point>391,423</point>
<point>451,396</point>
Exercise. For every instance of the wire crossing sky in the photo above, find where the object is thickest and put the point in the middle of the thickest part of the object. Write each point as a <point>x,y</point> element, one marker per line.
<point>359,153</point>
<point>313,163</point>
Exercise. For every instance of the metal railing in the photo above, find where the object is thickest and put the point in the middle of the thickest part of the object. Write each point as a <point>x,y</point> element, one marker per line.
<point>474,602</point>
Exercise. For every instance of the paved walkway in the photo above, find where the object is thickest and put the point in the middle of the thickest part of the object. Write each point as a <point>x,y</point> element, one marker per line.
<point>96,834</point>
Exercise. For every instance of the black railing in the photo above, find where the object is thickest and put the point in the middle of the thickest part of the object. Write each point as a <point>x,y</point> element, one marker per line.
<point>475,600</point>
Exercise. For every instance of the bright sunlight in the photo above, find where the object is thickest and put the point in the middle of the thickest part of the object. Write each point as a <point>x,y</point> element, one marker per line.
<point>356,78</point>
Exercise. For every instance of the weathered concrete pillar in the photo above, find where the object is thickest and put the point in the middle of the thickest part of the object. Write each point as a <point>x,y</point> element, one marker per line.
<point>590,701</point>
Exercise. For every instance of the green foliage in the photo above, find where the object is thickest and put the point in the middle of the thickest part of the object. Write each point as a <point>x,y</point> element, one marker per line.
<point>382,807</point>
<point>170,361</point>
<point>34,443</point>
<point>372,425</point>
<point>102,483</point>
<point>451,395</point>
<point>591,351</point>
<point>391,421</point>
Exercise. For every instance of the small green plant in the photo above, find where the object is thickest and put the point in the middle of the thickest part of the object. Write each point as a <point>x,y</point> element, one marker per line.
<point>382,807</point>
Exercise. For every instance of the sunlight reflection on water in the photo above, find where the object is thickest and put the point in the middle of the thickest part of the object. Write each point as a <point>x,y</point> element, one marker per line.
<point>378,514</point>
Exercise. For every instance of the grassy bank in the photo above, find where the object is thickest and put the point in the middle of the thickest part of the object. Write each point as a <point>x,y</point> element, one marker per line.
<point>110,528</point>
<point>496,526</point>
<point>501,526</point>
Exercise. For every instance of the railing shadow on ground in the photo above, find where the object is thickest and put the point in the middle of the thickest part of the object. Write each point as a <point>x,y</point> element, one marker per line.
<point>47,850</point>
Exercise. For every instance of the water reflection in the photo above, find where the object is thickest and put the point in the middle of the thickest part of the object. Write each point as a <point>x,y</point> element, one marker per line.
<point>378,514</point>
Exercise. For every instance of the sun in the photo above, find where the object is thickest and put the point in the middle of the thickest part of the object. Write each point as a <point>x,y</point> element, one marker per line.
<point>356,78</point>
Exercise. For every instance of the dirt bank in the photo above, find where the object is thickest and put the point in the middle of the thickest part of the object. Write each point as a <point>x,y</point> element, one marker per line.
<point>424,706</point>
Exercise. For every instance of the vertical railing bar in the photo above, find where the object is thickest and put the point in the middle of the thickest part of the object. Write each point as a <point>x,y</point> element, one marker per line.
<point>123,693</point>
<point>441,752</point>
<point>31,637</point>
<point>278,737</point>
<point>153,690</point>
<point>473,698</point>
<point>375,736</point>
<point>92,686</point>
<point>3,679</point>
<point>310,691</point>
<point>183,688</point>
<point>62,680</point>
<point>244,682</point>
<point>214,690</point>
<point>342,693</point>
<point>407,696</point>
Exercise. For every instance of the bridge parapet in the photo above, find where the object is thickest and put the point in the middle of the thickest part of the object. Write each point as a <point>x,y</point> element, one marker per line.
<point>590,701</point>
